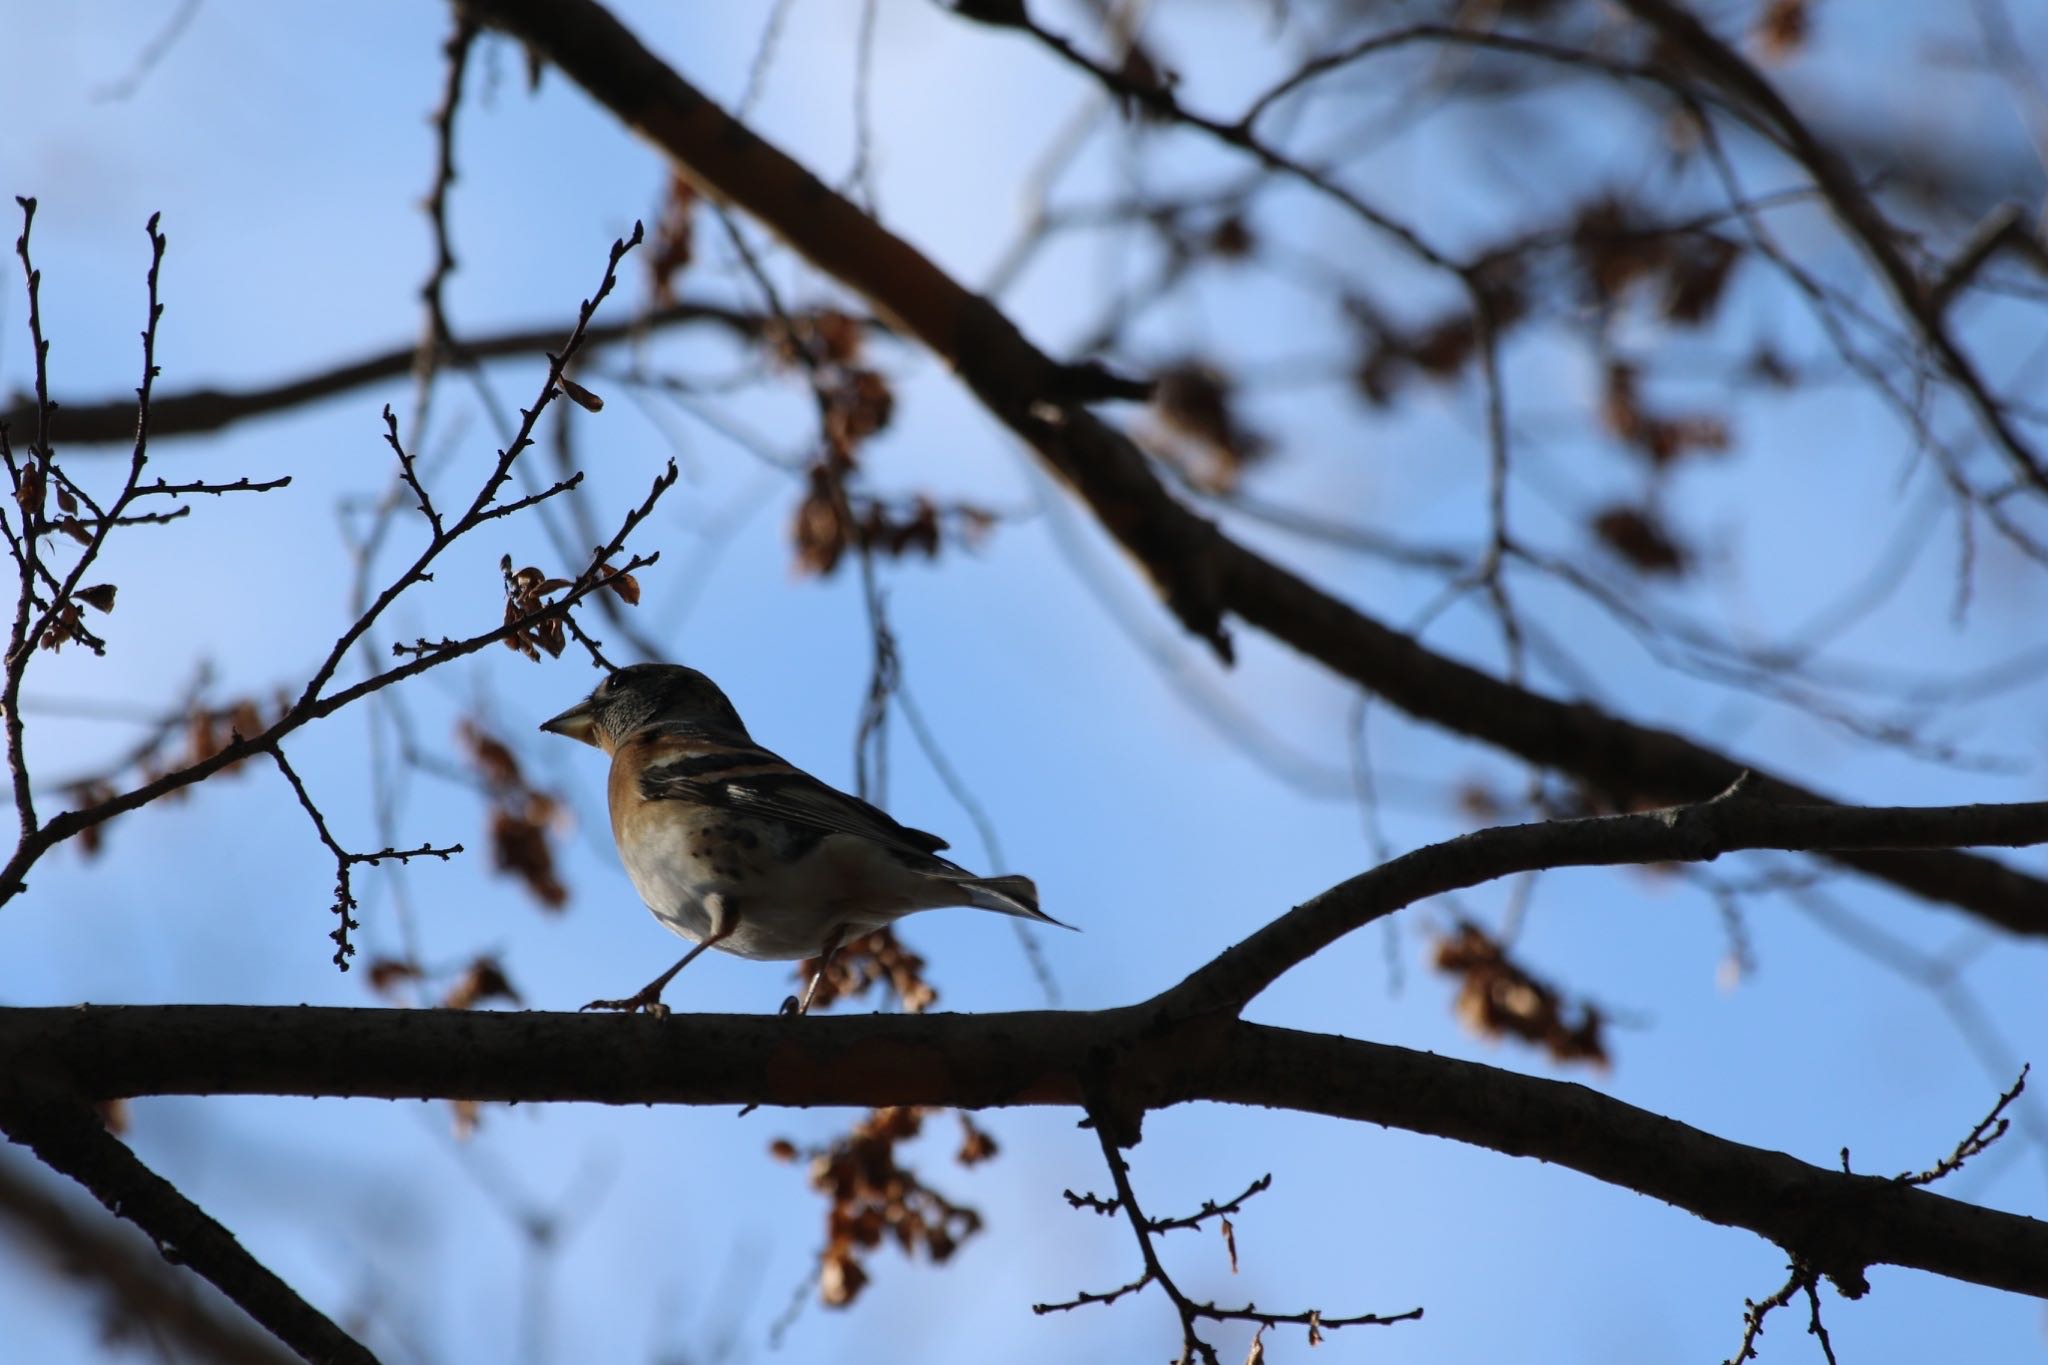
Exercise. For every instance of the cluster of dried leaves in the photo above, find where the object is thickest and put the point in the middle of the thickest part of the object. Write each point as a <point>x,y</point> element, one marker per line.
<point>675,241</point>
<point>527,591</point>
<point>523,817</point>
<point>874,1199</point>
<point>1661,438</point>
<point>829,522</point>
<point>1440,349</point>
<point>879,958</point>
<point>872,1196</point>
<point>855,403</point>
<point>480,981</point>
<point>1498,997</point>
<point>1621,252</point>
<point>31,494</point>
<point>179,741</point>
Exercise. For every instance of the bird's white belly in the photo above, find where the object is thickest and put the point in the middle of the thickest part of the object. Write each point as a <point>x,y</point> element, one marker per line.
<point>784,912</point>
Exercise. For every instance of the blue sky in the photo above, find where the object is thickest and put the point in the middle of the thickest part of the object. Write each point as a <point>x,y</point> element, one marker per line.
<point>286,149</point>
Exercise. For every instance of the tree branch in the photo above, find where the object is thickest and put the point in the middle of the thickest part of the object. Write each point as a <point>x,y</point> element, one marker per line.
<point>141,1292</point>
<point>1200,572</point>
<point>1837,1222</point>
<point>68,1137</point>
<point>1733,821</point>
<point>203,410</point>
<point>1854,209</point>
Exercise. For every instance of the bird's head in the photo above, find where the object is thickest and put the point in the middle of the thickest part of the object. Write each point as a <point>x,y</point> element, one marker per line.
<point>648,694</point>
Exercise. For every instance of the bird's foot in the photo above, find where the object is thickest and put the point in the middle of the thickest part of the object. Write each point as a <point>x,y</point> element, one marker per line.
<point>790,1008</point>
<point>647,999</point>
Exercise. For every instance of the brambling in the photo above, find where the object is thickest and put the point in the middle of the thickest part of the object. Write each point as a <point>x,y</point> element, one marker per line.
<point>734,848</point>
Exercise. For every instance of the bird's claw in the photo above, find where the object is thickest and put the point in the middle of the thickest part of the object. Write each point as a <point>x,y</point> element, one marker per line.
<point>632,1004</point>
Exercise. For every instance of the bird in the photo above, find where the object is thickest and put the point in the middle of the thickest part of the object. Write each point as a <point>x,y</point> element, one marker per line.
<point>735,848</point>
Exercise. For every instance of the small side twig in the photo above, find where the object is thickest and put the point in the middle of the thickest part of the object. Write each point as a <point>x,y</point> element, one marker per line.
<point>1193,1346</point>
<point>345,861</point>
<point>1804,1279</point>
<point>1989,1129</point>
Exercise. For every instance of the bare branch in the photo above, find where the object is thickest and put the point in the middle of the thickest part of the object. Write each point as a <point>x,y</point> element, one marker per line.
<point>139,1288</point>
<point>1989,1129</point>
<point>1854,210</point>
<point>311,704</point>
<point>1839,1223</point>
<point>68,1137</point>
<point>345,861</point>
<point>1734,820</point>
<point>1200,572</point>
<point>439,336</point>
<point>1804,1279</point>
<point>199,411</point>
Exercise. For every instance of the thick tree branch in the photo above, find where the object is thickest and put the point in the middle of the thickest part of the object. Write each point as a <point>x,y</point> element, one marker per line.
<point>1201,573</point>
<point>69,1138</point>
<point>1836,1222</point>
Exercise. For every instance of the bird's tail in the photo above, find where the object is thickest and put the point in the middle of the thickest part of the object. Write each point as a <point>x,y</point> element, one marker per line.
<point>1006,895</point>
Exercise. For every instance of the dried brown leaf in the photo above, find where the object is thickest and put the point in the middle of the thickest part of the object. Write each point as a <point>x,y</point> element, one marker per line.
<point>1782,29</point>
<point>1698,277</point>
<point>100,596</point>
<point>626,586</point>
<point>860,404</point>
<point>1232,238</point>
<point>818,530</point>
<point>519,846</point>
<point>1197,401</point>
<point>976,1146</point>
<point>1639,536</point>
<point>675,240</point>
<point>386,972</point>
<point>580,396</point>
<point>484,979</point>
<point>838,336</point>
<point>468,1116</point>
<point>492,757</point>
<point>1498,997</point>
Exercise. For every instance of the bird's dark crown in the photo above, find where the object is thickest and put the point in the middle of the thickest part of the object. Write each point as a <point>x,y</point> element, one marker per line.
<point>644,694</point>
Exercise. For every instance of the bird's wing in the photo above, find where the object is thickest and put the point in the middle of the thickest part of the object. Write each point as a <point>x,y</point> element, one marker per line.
<point>754,781</point>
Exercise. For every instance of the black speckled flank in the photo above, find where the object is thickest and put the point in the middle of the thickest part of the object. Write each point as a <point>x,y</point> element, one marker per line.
<point>734,850</point>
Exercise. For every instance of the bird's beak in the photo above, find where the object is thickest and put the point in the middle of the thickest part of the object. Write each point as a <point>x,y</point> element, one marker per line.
<point>575,723</point>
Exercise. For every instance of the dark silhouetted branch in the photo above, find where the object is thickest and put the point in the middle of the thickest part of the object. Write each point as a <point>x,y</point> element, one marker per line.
<point>204,410</point>
<point>1837,1222</point>
<point>68,1136</point>
<point>1201,573</point>
<point>142,1294</point>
